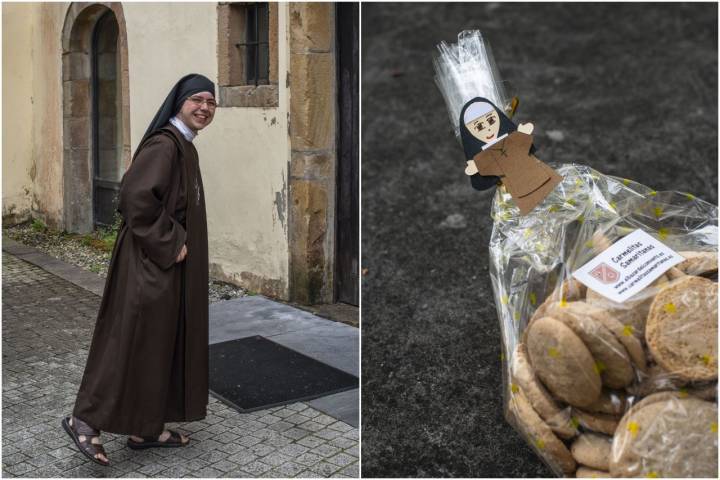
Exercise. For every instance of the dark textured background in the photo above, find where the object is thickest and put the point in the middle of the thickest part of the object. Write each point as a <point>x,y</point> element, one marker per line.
<point>632,88</point>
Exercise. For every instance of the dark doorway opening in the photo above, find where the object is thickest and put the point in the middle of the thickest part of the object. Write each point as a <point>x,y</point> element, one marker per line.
<point>348,207</point>
<point>106,124</point>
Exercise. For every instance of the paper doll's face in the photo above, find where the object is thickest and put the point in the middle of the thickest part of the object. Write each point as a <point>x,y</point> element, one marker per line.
<point>486,127</point>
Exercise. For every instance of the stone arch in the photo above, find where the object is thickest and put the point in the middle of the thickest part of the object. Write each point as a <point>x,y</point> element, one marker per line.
<point>77,37</point>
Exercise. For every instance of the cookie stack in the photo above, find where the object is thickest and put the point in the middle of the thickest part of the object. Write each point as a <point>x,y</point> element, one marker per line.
<point>625,390</point>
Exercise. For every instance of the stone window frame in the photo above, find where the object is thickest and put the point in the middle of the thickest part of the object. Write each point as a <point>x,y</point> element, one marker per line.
<point>231,95</point>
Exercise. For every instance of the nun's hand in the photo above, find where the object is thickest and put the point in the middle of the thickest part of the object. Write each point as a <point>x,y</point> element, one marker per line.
<point>181,256</point>
<point>471,168</point>
<point>526,128</point>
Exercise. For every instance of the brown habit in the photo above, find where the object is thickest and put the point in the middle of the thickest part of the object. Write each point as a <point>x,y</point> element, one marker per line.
<point>148,361</point>
<point>527,179</point>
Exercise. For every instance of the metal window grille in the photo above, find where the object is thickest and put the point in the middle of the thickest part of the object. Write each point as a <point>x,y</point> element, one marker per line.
<point>256,46</point>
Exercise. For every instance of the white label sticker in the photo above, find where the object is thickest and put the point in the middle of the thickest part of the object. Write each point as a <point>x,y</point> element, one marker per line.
<point>629,265</point>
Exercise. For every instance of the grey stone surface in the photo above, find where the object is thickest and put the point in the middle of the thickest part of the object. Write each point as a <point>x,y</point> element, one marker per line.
<point>47,327</point>
<point>633,90</point>
<point>343,406</point>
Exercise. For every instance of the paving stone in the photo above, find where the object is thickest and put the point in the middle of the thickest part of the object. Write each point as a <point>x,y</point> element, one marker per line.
<point>242,458</point>
<point>352,471</point>
<point>296,433</point>
<point>256,468</point>
<point>262,449</point>
<point>288,469</point>
<point>324,469</point>
<point>223,466</point>
<point>308,459</point>
<point>342,459</point>
<point>293,450</point>
<point>325,450</point>
<point>311,441</point>
<point>275,459</point>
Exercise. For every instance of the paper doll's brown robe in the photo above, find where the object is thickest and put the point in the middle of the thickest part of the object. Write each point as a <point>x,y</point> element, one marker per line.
<point>148,362</point>
<point>527,179</point>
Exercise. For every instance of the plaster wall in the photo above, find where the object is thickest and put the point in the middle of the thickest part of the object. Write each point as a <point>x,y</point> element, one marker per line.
<point>244,153</point>
<point>17,164</point>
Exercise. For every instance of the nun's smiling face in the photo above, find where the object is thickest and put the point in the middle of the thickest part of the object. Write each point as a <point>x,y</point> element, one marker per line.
<point>198,110</point>
<point>486,127</point>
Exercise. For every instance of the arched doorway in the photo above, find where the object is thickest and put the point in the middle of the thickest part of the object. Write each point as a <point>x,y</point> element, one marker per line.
<point>96,133</point>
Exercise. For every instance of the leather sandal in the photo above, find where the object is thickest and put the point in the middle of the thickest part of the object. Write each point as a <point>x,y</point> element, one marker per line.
<point>81,429</point>
<point>173,441</point>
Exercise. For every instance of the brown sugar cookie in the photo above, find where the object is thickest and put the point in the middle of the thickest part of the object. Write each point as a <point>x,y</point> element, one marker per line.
<point>698,263</point>
<point>540,435</point>
<point>633,311</point>
<point>632,344</point>
<point>592,450</point>
<point>597,422</point>
<point>611,357</point>
<point>523,378</point>
<point>666,436</point>
<point>563,362</point>
<point>584,472</point>
<point>682,328</point>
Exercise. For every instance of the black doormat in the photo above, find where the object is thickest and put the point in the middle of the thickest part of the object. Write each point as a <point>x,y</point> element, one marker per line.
<point>253,373</point>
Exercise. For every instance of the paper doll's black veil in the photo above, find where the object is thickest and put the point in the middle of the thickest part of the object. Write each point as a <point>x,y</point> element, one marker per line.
<point>473,145</point>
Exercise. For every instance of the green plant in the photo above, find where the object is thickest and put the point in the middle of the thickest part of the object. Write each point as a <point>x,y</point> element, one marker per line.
<point>38,225</point>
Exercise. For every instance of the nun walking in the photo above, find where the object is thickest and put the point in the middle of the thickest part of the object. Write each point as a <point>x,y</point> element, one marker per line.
<point>148,361</point>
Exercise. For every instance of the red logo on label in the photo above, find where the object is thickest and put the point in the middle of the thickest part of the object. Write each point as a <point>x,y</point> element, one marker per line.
<point>605,273</point>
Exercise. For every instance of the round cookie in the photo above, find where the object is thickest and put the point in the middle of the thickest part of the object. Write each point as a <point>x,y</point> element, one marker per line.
<point>597,422</point>
<point>682,328</point>
<point>523,377</point>
<point>611,358</point>
<point>584,472</point>
<point>540,435</point>
<point>563,362</point>
<point>632,312</point>
<point>632,344</point>
<point>666,436</point>
<point>592,450</point>
<point>699,263</point>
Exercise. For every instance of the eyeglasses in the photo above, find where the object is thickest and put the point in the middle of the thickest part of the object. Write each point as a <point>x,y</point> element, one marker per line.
<point>211,104</point>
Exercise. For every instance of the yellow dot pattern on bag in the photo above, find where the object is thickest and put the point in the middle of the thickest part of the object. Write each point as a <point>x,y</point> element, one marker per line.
<point>574,422</point>
<point>517,316</point>
<point>658,211</point>
<point>663,233</point>
<point>599,367</point>
<point>539,443</point>
<point>553,208</point>
<point>652,193</point>
<point>613,205</point>
<point>571,201</point>
<point>527,232</point>
<point>669,308</point>
<point>626,182</point>
<point>633,428</point>
<point>553,352</point>
<point>581,219</point>
<point>683,392</point>
<point>589,244</point>
<point>563,302</point>
<point>502,357</point>
<point>514,388</point>
<point>652,474</point>
<point>690,196</point>
<point>628,330</point>
<point>706,359</point>
<point>533,298</point>
<point>504,300</point>
<point>713,427</point>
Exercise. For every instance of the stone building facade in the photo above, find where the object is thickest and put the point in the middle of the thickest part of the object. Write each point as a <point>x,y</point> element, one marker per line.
<point>81,82</point>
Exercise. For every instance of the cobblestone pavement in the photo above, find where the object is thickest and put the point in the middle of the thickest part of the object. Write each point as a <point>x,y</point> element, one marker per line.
<point>46,330</point>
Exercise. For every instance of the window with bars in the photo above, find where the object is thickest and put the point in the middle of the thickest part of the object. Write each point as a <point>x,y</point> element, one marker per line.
<point>255,49</point>
<point>248,54</point>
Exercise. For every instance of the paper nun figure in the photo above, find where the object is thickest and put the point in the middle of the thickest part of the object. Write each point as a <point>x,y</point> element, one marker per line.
<point>495,148</point>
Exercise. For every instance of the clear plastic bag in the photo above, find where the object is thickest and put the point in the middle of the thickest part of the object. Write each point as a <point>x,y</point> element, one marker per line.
<point>600,388</point>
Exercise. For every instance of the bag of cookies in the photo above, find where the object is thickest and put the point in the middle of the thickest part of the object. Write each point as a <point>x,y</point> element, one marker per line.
<point>606,292</point>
